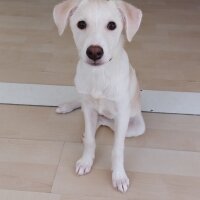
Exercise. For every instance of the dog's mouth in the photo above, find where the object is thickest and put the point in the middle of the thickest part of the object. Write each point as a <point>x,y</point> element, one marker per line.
<point>97,63</point>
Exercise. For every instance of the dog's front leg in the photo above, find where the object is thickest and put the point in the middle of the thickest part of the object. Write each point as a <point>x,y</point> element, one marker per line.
<point>119,177</point>
<point>84,164</point>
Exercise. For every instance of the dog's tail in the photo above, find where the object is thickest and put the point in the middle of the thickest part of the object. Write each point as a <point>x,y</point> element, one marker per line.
<point>68,107</point>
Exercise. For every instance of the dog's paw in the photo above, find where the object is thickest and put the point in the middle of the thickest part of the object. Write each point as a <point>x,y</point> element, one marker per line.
<point>120,181</point>
<point>83,166</point>
<point>134,133</point>
<point>64,108</point>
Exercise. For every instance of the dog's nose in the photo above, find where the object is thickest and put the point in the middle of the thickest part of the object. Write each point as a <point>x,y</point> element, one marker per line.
<point>95,52</point>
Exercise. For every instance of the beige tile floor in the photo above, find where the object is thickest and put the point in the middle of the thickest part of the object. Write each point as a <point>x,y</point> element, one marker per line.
<point>38,148</point>
<point>28,165</point>
<point>15,195</point>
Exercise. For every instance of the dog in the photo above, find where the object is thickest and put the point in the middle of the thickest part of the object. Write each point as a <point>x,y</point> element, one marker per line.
<point>106,81</point>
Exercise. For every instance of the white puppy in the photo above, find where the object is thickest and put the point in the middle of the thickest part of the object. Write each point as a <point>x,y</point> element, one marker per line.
<point>105,79</point>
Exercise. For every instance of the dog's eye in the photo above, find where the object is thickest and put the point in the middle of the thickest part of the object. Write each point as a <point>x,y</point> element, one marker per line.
<point>111,26</point>
<point>82,25</point>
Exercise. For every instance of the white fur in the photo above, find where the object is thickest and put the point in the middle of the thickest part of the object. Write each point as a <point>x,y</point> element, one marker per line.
<point>109,92</point>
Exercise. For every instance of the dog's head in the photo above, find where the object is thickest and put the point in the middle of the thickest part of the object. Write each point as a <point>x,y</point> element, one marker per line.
<point>97,26</point>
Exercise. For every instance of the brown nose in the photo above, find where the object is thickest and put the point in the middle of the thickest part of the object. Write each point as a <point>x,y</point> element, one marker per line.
<point>95,52</point>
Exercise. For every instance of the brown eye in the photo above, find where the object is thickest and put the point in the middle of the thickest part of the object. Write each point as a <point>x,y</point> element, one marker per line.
<point>111,26</point>
<point>82,25</point>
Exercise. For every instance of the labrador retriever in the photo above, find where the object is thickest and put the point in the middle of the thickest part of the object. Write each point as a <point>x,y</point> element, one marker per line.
<point>105,79</point>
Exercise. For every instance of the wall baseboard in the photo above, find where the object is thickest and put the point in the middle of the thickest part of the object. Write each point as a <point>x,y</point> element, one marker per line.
<point>53,95</point>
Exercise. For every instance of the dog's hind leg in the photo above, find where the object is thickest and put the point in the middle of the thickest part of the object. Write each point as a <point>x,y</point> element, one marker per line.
<point>68,107</point>
<point>136,126</point>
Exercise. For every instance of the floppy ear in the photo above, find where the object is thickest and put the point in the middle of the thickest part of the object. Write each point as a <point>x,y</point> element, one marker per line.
<point>62,12</point>
<point>132,18</point>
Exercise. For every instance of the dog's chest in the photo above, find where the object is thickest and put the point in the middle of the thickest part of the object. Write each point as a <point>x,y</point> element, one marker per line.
<point>99,86</point>
<point>103,106</point>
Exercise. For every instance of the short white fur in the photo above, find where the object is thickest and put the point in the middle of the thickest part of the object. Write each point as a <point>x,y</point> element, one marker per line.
<point>109,92</point>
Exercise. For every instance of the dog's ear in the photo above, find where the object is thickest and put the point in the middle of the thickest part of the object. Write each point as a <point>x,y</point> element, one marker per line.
<point>132,17</point>
<point>62,12</point>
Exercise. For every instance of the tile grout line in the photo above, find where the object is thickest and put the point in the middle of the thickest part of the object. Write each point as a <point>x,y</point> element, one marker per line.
<point>98,144</point>
<point>56,172</point>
